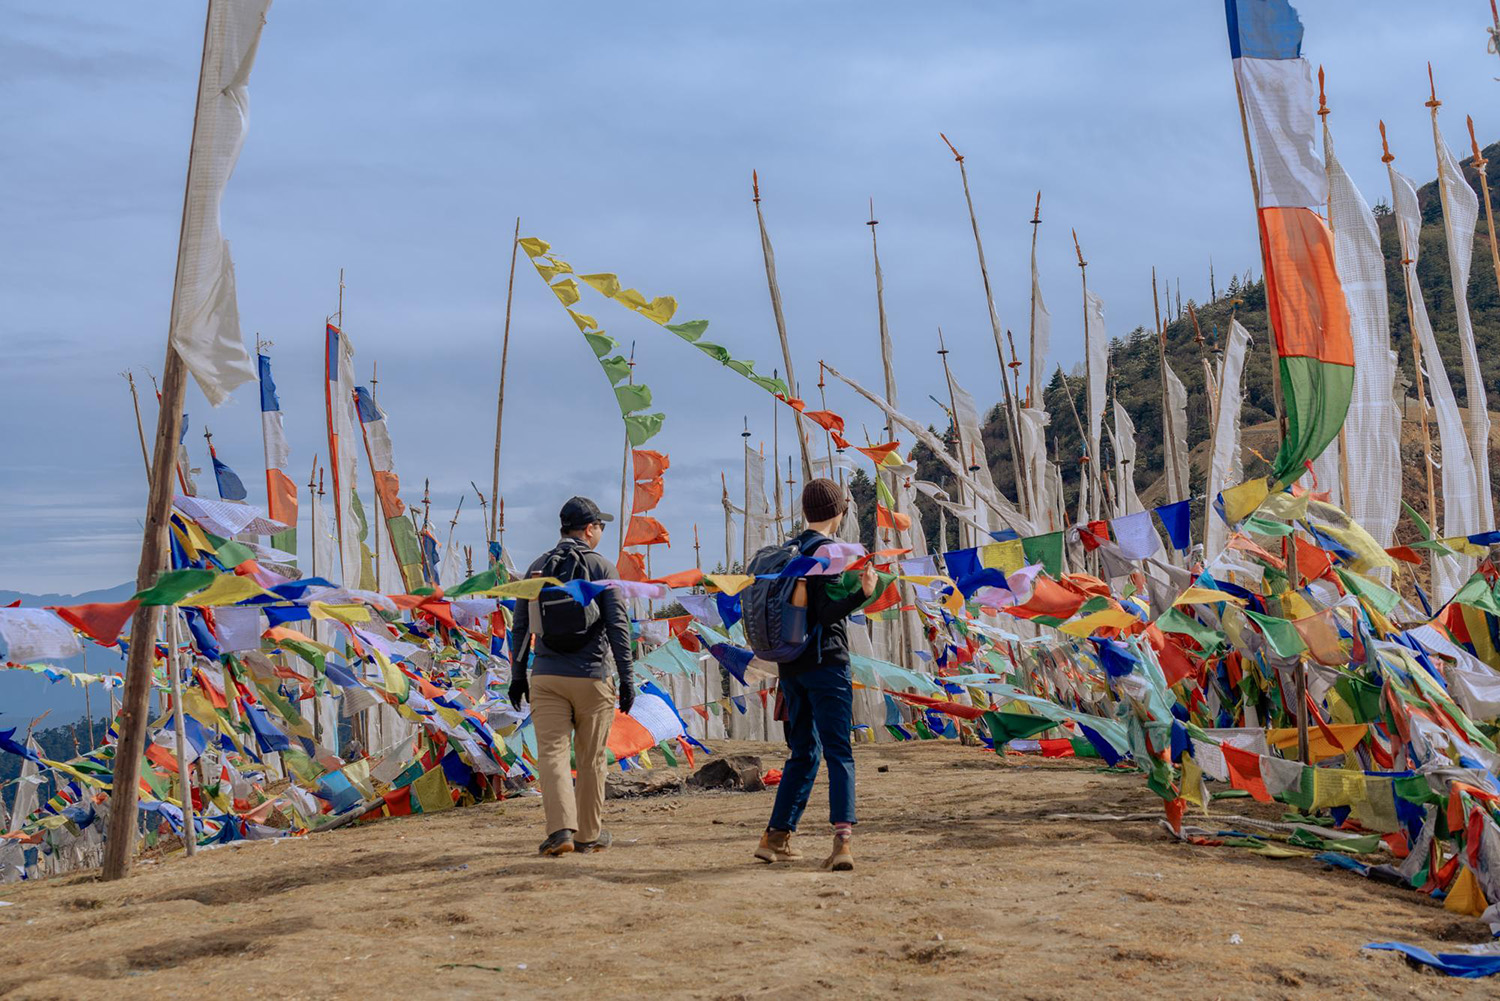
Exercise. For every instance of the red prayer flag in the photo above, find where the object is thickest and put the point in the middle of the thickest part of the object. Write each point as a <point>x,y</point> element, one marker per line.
<point>100,622</point>
<point>1093,533</point>
<point>682,578</point>
<point>878,453</point>
<point>889,598</point>
<point>1244,772</point>
<point>632,566</point>
<point>886,518</point>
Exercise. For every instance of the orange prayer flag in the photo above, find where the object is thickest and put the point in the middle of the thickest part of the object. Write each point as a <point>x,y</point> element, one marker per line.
<point>100,622</point>
<point>826,419</point>
<point>886,518</point>
<point>889,598</point>
<point>682,578</point>
<point>647,495</point>
<point>632,566</point>
<point>878,453</point>
<point>648,464</point>
<point>839,441</point>
<point>645,530</point>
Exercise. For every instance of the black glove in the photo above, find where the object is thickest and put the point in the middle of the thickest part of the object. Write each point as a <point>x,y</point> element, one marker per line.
<point>627,693</point>
<point>520,688</point>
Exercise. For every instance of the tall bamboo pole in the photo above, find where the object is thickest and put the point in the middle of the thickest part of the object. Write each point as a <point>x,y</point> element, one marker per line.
<point>1416,344</point>
<point>120,844</point>
<point>1033,380</point>
<point>1095,496</point>
<point>1179,485</point>
<point>174,671</point>
<point>786,351</point>
<point>1013,431</point>
<point>140,428</point>
<point>504,358</point>
<point>1480,163</point>
<point>965,533</point>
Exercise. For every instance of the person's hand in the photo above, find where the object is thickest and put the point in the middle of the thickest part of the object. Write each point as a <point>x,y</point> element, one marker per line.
<point>867,580</point>
<point>627,695</point>
<point>520,689</point>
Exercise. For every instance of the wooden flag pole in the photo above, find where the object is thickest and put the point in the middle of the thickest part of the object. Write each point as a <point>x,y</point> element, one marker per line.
<point>1032,380</point>
<point>1179,487</point>
<point>504,357</point>
<point>184,776</point>
<point>965,532</point>
<point>745,445</point>
<point>1480,163</point>
<point>775,454</point>
<point>1013,432</point>
<point>786,351</point>
<point>1095,495</point>
<point>1416,344</point>
<point>140,429</point>
<point>119,848</point>
<point>728,524</point>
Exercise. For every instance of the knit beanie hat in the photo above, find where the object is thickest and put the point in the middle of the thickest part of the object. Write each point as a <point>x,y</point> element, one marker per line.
<point>822,500</point>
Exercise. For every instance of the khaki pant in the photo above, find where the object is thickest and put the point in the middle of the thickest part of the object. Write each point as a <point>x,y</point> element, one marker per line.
<point>580,710</point>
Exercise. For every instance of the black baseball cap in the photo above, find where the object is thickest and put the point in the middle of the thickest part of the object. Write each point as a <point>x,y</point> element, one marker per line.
<point>580,512</point>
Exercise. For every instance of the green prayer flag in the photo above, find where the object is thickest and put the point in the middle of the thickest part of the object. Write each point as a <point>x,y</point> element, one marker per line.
<point>1425,528</point>
<point>689,330</point>
<point>1477,593</point>
<point>717,352</point>
<point>770,385</point>
<point>174,585</point>
<point>482,581</point>
<point>633,398</point>
<point>616,367</point>
<point>1007,726</point>
<point>1046,550</point>
<point>1257,525</point>
<point>1378,595</point>
<point>1317,393</point>
<point>232,554</point>
<point>1281,636</point>
<point>601,342</point>
<point>640,428</point>
<point>1176,621</point>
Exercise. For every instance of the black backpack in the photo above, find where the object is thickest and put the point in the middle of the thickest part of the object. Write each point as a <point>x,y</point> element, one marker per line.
<point>562,623</point>
<point>775,611</point>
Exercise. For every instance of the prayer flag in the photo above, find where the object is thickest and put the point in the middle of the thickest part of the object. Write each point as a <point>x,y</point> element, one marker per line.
<point>281,492</point>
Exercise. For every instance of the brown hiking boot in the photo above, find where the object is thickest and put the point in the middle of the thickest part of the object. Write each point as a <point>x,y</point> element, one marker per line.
<point>842,860</point>
<point>776,846</point>
<point>557,843</point>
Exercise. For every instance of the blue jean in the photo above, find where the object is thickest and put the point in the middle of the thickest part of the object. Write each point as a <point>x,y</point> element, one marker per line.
<point>820,713</point>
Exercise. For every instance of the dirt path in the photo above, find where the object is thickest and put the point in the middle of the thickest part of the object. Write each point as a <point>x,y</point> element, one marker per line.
<point>961,890</point>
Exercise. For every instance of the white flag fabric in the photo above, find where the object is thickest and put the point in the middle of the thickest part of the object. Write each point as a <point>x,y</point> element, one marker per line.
<point>760,529</point>
<point>1176,423</point>
<point>26,788</point>
<point>205,318</point>
<point>1125,496</point>
<point>325,546</point>
<point>451,573</point>
<point>343,452</point>
<point>1033,424</point>
<point>32,634</point>
<point>1226,466</point>
<point>1041,337</point>
<point>1460,216</point>
<point>1281,103</point>
<point>1136,535</point>
<point>971,443</point>
<point>1373,426</point>
<point>1096,347</point>
<point>1460,498</point>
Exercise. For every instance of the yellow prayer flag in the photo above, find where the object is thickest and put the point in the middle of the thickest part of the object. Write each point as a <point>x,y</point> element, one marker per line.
<point>431,791</point>
<point>1461,544</point>
<point>551,271</point>
<point>1241,501</point>
<point>1294,606</point>
<point>533,246</point>
<point>526,589</point>
<point>1284,507</point>
<point>227,589</point>
<point>1206,595</point>
<point>1466,897</point>
<point>631,299</point>
<point>1007,557</point>
<point>660,310</point>
<point>730,583</point>
<point>1192,780</point>
<point>1337,787</point>
<point>604,283</point>
<point>585,321</point>
<point>1117,618</point>
<point>347,614</point>
<point>566,291</point>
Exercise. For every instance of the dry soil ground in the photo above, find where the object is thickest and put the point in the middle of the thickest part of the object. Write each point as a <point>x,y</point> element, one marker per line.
<point>963,889</point>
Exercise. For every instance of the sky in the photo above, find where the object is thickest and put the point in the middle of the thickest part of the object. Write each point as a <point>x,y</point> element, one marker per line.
<point>399,142</point>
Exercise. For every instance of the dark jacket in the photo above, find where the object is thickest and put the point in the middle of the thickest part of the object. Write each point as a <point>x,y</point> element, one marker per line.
<point>608,649</point>
<point>825,616</point>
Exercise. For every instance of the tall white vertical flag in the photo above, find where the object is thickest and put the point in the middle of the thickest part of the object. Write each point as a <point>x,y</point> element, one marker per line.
<point>1041,339</point>
<point>1373,426</point>
<point>1176,424</point>
<point>1225,464</point>
<point>343,450</point>
<point>1125,494</point>
<point>1096,347</point>
<point>1460,496</point>
<point>1460,216</point>
<point>205,316</point>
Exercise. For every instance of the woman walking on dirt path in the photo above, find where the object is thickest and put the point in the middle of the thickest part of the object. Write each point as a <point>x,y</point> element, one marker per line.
<point>818,691</point>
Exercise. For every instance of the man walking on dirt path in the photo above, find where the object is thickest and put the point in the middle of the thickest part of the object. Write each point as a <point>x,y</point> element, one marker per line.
<point>818,692</point>
<point>581,651</point>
